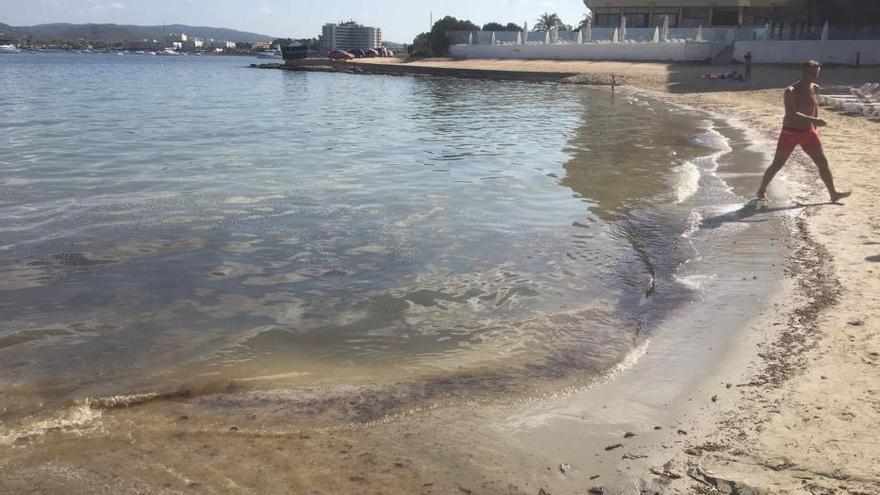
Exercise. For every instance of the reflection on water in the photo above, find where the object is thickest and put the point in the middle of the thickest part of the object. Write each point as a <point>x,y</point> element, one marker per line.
<point>322,228</point>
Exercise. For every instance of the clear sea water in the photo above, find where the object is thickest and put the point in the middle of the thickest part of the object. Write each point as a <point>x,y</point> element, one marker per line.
<point>167,223</point>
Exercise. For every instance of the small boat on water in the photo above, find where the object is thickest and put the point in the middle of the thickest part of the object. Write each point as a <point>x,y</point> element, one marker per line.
<point>270,54</point>
<point>9,49</point>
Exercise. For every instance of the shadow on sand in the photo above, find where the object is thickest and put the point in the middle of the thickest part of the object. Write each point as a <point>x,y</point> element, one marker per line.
<point>749,211</point>
<point>875,259</point>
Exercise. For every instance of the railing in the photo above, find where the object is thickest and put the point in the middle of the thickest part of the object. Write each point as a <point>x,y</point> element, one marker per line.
<point>726,35</point>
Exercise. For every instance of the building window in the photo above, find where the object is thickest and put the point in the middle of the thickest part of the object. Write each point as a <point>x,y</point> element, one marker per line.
<point>694,16</point>
<point>637,17</point>
<point>725,17</point>
<point>606,17</point>
<point>660,13</point>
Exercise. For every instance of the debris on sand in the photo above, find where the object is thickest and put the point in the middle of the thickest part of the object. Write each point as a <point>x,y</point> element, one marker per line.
<point>615,446</point>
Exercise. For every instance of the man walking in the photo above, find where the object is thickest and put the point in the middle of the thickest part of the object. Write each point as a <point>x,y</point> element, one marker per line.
<point>799,128</point>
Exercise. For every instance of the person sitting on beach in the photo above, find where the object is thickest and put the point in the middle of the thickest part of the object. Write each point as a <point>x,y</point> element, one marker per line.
<point>799,128</point>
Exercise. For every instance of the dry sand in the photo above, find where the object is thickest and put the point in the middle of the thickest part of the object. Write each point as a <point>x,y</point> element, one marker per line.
<point>796,407</point>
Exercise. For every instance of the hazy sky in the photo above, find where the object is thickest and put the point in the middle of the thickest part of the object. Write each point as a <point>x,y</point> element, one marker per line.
<point>400,20</point>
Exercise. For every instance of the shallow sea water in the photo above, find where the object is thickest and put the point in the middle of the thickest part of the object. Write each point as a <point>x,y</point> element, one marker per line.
<point>189,229</point>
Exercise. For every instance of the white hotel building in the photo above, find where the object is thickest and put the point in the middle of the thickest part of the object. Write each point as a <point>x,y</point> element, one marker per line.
<point>350,36</point>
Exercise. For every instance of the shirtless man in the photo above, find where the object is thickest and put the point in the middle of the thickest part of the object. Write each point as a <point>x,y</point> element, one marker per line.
<point>799,128</point>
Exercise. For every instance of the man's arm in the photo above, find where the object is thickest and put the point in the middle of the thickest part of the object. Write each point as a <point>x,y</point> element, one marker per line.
<point>791,111</point>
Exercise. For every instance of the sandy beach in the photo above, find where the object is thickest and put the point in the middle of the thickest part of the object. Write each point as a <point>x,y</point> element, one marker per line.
<point>795,405</point>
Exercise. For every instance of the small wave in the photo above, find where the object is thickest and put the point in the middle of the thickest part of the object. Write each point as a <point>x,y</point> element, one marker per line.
<point>694,221</point>
<point>694,282</point>
<point>77,419</point>
<point>713,139</point>
<point>688,182</point>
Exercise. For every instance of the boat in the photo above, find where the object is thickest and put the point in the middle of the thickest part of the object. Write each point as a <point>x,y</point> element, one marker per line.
<point>9,49</point>
<point>270,54</point>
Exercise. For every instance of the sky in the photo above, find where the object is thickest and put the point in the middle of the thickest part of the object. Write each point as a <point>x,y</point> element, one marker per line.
<point>399,20</point>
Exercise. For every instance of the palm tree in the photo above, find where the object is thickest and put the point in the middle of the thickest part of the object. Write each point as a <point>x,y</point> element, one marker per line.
<point>588,17</point>
<point>549,21</point>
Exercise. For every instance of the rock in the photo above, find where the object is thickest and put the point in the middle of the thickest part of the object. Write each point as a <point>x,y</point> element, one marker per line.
<point>233,428</point>
<point>855,323</point>
<point>714,398</point>
<point>564,468</point>
<point>665,473</point>
<point>778,463</point>
<point>184,417</point>
<point>615,446</point>
<point>595,476</point>
<point>629,434</point>
<point>596,490</point>
<point>682,432</point>
<point>658,427</point>
<point>542,492</point>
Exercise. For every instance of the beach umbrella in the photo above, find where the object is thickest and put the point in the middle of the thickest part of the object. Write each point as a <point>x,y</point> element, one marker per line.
<point>699,35</point>
<point>825,32</point>
<point>623,28</point>
<point>656,35</point>
<point>665,33</point>
<point>615,38</point>
<point>492,40</point>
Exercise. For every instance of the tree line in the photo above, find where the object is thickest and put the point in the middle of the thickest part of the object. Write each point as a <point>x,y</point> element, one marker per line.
<point>436,42</point>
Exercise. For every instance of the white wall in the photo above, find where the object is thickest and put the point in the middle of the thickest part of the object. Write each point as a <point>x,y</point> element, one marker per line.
<point>691,51</point>
<point>796,52</point>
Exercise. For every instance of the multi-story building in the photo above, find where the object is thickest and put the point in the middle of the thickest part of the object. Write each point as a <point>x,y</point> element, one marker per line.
<point>693,13</point>
<point>192,44</point>
<point>350,35</point>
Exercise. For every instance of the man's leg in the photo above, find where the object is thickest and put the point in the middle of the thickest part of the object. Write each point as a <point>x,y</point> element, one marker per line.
<point>782,154</point>
<point>818,156</point>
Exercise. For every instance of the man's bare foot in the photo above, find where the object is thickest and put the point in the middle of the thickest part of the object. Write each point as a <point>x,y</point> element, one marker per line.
<point>762,196</point>
<point>837,196</point>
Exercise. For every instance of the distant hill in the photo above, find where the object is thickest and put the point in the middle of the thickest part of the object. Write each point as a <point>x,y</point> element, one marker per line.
<point>112,33</point>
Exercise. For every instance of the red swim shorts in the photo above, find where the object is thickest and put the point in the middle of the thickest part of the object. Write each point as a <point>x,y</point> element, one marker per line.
<point>789,139</point>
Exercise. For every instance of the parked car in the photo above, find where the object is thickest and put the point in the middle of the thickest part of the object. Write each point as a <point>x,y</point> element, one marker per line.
<point>372,53</point>
<point>340,55</point>
<point>358,53</point>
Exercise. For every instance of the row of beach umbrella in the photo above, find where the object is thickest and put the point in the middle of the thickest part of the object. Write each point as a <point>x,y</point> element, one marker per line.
<point>585,34</point>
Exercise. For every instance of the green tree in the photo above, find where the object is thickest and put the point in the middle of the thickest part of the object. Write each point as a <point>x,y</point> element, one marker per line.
<point>497,26</point>
<point>439,41</point>
<point>549,21</point>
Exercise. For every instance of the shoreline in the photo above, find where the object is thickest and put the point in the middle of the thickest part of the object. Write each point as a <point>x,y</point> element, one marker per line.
<point>801,392</point>
<point>739,426</point>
